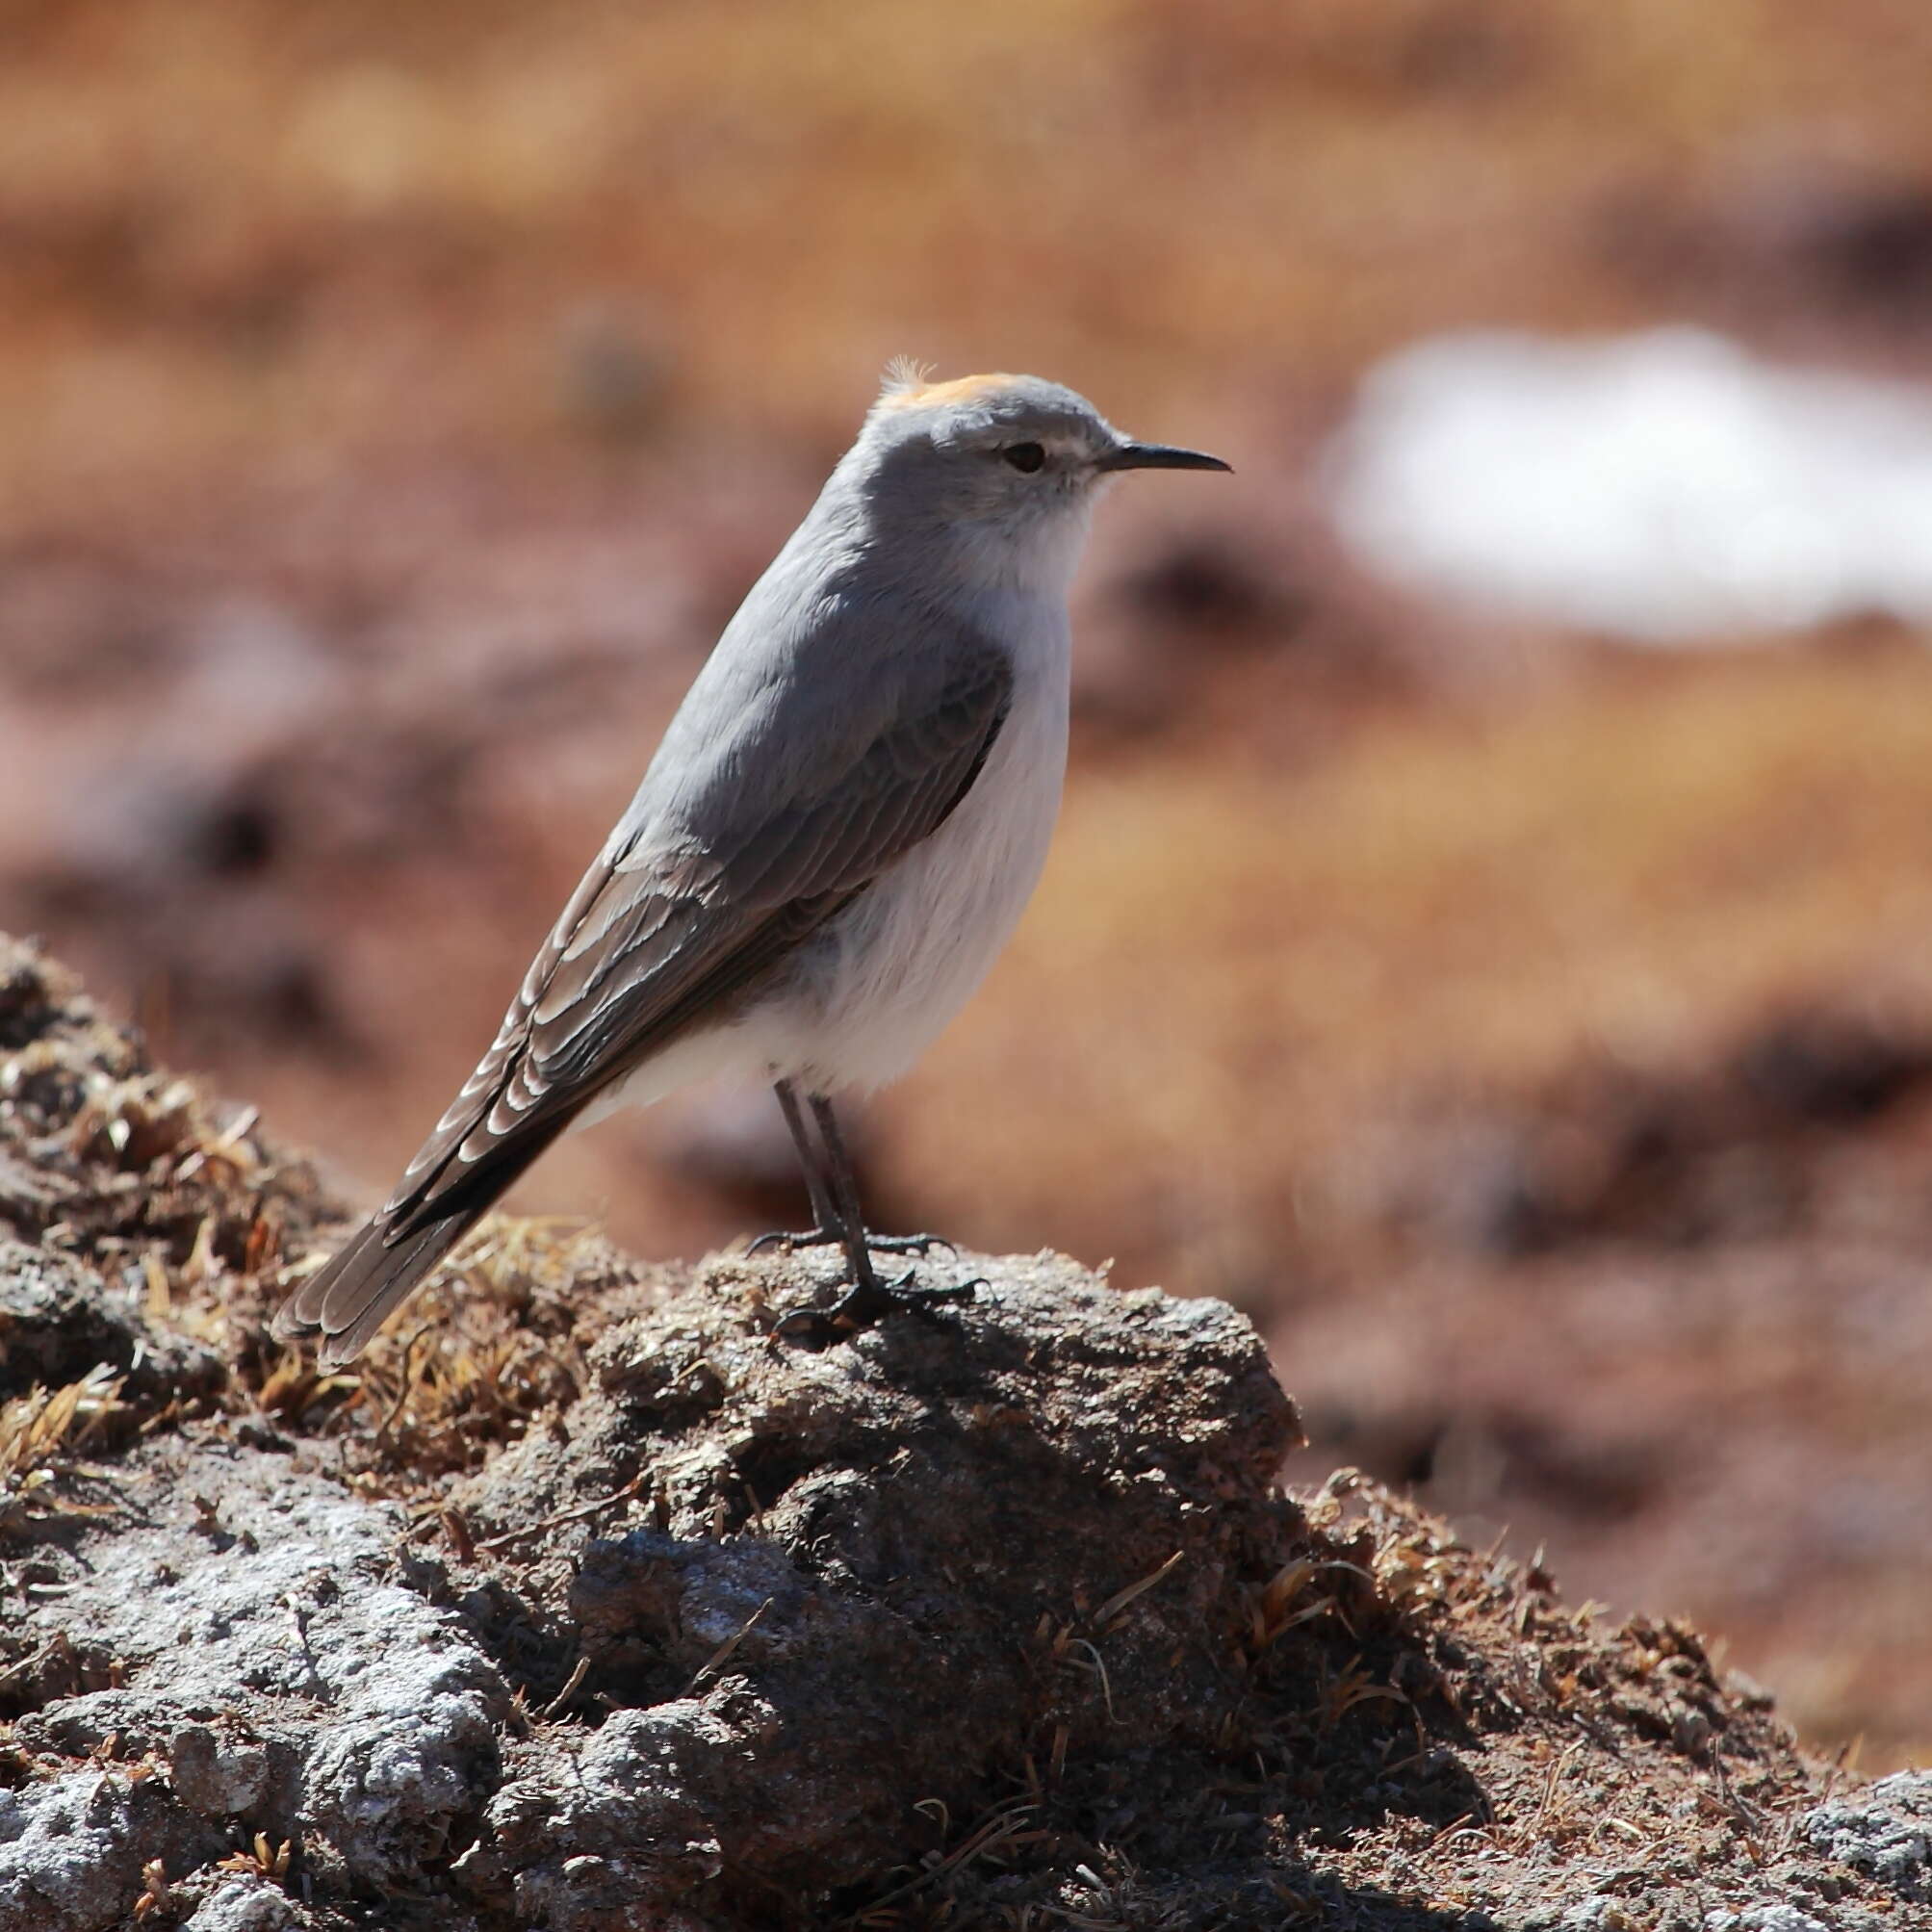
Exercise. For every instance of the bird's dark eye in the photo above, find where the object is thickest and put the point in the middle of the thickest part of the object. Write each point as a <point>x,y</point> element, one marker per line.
<point>1025,458</point>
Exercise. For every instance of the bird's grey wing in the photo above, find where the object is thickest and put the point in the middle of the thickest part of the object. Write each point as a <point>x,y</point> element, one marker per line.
<point>657,937</point>
<point>670,925</point>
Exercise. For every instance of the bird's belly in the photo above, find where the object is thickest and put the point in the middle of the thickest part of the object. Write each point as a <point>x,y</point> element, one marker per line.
<point>911,951</point>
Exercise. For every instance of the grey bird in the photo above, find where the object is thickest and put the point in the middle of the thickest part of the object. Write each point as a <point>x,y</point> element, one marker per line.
<point>835,839</point>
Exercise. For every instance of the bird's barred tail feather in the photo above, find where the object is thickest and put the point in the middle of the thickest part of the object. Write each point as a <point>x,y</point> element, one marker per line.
<point>352,1297</point>
<point>386,1259</point>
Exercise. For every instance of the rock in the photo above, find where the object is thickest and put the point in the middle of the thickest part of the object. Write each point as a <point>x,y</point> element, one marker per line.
<point>1885,1833</point>
<point>596,1600</point>
<point>248,1905</point>
<point>56,1323</point>
<point>925,1530</point>
<point>72,1849</point>
<point>218,1776</point>
<point>271,1661</point>
<point>1773,1918</point>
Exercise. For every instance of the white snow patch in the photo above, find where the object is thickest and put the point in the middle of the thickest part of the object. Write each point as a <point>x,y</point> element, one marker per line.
<point>1666,486</point>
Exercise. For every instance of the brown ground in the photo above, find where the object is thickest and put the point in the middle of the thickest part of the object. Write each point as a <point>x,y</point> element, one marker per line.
<point>1534,1040</point>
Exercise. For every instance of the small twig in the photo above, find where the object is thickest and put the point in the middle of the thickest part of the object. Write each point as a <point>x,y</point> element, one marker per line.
<point>570,1515</point>
<point>719,1656</point>
<point>991,1830</point>
<point>25,1663</point>
<point>577,1676</point>
<point>1549,1784</point>
<point>299,1622</point>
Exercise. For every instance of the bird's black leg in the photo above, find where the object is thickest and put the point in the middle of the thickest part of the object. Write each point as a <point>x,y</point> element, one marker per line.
<point>826,1227</point>
<point>835,1210</point>
<point>844,1180</point>
<point>869,1298</point>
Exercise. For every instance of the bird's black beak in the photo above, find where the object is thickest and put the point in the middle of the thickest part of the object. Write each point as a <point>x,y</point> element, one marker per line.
<point>1159,456</point>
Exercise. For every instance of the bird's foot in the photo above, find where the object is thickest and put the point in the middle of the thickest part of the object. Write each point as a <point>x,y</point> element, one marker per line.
<point>871,1301</point>
<point>787,1238</point>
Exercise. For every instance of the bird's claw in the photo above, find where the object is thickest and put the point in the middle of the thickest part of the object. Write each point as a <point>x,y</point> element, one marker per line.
<point>787,1238</point>
<point>866,1303</point>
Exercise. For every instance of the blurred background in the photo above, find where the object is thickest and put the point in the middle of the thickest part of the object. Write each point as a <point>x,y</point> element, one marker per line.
<point>1490,935</point>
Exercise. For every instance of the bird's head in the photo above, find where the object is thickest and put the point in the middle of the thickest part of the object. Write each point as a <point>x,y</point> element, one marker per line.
<point>1009,464</point>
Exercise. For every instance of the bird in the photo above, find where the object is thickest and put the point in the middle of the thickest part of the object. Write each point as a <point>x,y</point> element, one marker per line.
<point>834,838</point>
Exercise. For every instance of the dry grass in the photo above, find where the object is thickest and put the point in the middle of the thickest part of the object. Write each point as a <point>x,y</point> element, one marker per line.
<point>1599,1745</point>
<point>141,1176</point>
<point>485,1347</point>
<point>41,1434</point>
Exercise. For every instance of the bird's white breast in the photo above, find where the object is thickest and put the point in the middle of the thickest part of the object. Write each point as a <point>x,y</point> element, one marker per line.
<point>912,949</point>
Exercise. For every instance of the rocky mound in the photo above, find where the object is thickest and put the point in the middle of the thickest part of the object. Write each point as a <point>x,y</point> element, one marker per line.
<point>591,1601</point>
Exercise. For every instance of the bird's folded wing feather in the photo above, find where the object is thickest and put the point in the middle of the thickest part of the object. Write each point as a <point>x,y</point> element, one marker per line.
<point>677,919</point>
